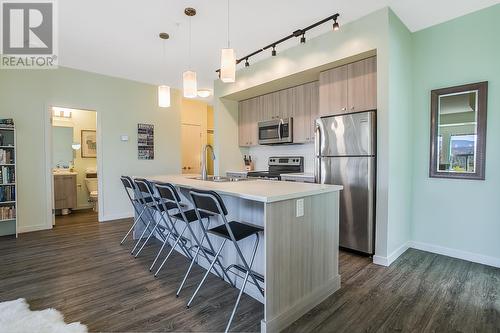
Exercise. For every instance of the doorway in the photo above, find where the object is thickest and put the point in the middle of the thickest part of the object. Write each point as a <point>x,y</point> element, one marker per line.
<point>191,145</point>
<point>75,180</point>
<point>196,132</point>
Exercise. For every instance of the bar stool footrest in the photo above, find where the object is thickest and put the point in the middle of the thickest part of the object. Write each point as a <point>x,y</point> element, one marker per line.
<point>259,277</point>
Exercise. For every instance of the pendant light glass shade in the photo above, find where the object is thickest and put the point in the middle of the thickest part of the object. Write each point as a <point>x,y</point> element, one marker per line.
<point>164,96</point>
<point>189,84</point>
<point>228,65</point>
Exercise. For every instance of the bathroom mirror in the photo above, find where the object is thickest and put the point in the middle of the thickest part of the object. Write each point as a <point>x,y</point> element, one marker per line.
<point>458,131</point>
<point>62,152</point>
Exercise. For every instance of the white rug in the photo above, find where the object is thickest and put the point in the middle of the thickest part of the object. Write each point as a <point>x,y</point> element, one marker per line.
<point>16,317</point>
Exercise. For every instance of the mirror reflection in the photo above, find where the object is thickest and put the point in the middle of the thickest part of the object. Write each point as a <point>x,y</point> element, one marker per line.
<point>457,132</point>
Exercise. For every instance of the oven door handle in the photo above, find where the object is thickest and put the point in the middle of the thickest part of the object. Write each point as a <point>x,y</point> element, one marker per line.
<point>280,124</point>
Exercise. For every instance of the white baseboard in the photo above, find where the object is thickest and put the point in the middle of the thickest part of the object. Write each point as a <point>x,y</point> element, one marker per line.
<point>30,228</point>
<point>387,261</point>
<point>459,254</point>
<point>118,216</point>
<point>296,311</point>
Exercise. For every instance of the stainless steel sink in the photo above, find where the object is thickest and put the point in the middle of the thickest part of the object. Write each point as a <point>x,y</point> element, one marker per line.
<point>221,179</point>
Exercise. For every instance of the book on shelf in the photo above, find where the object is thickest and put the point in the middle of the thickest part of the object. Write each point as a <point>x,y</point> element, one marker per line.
<point>7,123</point>
<point>7,193</point>
<point>7,213</point>
<point>7,175</point>
<point>6,156</point>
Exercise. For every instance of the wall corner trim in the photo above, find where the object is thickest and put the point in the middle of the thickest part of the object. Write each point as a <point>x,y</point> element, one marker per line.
<point>459,254</point>
<point>387,261</point>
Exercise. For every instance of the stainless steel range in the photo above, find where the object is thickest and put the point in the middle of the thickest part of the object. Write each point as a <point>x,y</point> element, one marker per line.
<point>278,165</point>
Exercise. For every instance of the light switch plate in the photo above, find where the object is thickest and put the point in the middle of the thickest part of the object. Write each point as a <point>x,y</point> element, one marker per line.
<point>124,137</point>
<point>300,207</point>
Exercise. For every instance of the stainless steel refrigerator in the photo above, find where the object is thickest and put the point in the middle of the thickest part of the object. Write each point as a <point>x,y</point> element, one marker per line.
<point>346,155</point>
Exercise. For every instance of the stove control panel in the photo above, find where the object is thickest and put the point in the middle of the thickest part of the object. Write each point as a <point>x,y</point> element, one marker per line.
<point>286,160</point>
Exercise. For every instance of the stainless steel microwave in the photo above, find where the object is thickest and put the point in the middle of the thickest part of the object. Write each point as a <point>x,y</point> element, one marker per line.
<point>276,131</point>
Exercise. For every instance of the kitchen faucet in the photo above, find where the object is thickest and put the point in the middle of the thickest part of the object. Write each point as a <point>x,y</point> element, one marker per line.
<point>204,171</point>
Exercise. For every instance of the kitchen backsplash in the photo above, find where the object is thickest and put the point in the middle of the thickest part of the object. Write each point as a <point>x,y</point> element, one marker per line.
<point>260,154</point>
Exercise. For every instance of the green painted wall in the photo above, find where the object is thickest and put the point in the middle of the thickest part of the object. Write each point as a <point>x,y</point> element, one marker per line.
<point>26,95</point>
<point>457,214</point>
<point>400,136</point>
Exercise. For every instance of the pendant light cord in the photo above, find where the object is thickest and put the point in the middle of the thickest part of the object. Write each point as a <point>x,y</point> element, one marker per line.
<point>228,43</point>
<point>164,56</point>
<point>189,49</point>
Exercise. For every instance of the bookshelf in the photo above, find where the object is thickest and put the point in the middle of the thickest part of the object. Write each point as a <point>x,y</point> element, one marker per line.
<point>8,181</point>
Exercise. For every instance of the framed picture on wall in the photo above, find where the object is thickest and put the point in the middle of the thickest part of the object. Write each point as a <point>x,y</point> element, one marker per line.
<point>89,144</point>
<point>145,142</point>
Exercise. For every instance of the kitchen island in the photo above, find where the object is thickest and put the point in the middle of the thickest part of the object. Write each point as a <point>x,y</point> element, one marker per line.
<point>298,256</point>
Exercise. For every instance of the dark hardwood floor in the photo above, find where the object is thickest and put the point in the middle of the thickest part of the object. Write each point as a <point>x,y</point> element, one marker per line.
<point>80,269</point>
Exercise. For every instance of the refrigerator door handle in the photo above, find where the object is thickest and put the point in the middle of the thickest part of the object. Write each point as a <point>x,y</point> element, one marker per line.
<point>280,124</point>
<point>317,160</point>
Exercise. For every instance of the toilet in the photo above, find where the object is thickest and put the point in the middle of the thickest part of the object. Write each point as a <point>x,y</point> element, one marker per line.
<point>91,184</point>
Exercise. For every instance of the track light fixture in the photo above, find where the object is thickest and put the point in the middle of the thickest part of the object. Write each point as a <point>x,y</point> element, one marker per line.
<point>336,26</point>
<point>297,33</point>
<point>303,38</point>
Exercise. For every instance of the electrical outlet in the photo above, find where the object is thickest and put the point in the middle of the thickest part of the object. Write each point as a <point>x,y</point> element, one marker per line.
<point>299,207</point>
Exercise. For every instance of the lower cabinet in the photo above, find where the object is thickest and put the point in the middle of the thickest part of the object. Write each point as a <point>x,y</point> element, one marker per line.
<point>64,191</point>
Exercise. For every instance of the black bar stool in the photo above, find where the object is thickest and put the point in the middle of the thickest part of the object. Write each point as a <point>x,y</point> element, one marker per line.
<point>169,194</point>
<point>211,202</point>
<point>145,194</point>
<point>139,208</point>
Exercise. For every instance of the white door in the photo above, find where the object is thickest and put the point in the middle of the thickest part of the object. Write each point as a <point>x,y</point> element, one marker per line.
<point>191,148</point>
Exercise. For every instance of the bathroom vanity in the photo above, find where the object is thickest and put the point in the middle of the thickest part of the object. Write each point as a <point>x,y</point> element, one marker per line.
<point>65,190</point>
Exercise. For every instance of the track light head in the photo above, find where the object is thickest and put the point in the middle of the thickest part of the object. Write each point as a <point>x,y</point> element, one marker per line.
<point>247,64</point>
<point>273,53</point>
<point>303,39</point>
<point>336,26</point>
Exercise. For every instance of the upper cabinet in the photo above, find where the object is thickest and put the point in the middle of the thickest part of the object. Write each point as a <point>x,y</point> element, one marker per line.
<point>304,110</point>
<point>349,88</point>
<point>333,91</point>
<point>300,103</point>
<point>247,122</point>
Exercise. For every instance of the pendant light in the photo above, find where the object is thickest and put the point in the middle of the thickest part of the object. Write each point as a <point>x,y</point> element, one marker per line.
<point>164,90</point>
<point>228,59</point>
<point>189,77</point>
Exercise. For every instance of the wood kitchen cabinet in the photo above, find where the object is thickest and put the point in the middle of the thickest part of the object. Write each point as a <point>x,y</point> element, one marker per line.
<point>362,85</point>
<point>248,113</point>
<point>304,108</point>
<point>349,88</point>
<point>300,102</point>
<point>333,91</point>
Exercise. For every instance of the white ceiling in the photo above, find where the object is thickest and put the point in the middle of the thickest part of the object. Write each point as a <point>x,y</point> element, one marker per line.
<point>120,37</point>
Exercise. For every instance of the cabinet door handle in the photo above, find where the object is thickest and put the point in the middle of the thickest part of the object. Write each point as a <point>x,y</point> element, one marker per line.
<point>352,108</point>
<point>343,109</point>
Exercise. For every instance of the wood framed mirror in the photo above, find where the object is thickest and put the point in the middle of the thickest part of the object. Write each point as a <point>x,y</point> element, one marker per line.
<point>458,131</point>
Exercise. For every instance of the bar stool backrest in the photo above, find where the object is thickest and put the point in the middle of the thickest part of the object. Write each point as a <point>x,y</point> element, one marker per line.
<point>128,183</point>
<point>145,189</point>
<point>208,201</point>
<point>168,192</point>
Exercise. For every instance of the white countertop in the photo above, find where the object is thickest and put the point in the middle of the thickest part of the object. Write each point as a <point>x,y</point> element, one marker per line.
<point>65,173</point>
<point>299,175</point>
<point>256,190</point>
